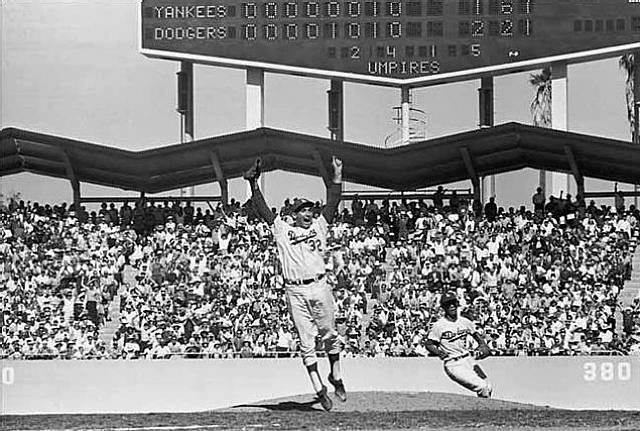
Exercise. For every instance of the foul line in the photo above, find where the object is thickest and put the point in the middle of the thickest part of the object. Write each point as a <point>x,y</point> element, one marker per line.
<point>157,428</point>
<point>154,428</point>
<point>183,427</point>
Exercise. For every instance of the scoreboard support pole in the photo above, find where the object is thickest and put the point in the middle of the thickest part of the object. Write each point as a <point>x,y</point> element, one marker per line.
<point>186,107</point>
<point>335,100</point>
<point>336,110</point>
<point>405,105</point>
<point>559,182</point>
<point>255,110</point>
<point>486,113</point>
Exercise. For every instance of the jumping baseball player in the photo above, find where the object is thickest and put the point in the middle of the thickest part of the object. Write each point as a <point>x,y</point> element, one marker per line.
<point>448,339</point>
<point>309,297</point>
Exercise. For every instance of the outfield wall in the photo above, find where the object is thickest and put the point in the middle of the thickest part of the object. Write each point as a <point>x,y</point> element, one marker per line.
<point>587,382</point>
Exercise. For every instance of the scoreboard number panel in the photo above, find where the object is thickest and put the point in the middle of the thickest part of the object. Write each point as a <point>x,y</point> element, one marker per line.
<point>394,42</point>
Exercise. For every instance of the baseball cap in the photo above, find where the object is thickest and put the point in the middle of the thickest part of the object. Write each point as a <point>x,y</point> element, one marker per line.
<point>448,297</point>
<point>298,204</point>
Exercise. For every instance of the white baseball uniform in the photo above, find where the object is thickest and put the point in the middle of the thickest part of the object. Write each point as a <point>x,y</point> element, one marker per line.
<point>460,365</point>
<point>309,297</point>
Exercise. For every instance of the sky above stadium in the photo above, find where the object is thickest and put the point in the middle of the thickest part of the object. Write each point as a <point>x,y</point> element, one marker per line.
<point>72,68</point>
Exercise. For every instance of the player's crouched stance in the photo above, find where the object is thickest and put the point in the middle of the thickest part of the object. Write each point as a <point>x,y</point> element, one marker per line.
<point>310,300</point>
<point>448,339</point>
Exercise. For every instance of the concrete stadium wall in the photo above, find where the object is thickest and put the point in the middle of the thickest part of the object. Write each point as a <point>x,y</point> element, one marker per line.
<point>35,387</point>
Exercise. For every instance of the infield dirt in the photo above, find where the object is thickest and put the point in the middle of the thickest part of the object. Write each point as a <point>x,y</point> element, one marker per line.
<point>362,411</point>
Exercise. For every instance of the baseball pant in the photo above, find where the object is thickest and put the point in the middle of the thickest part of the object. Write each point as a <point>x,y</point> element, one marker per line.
<point>312,310</point>
<point>464,372</point>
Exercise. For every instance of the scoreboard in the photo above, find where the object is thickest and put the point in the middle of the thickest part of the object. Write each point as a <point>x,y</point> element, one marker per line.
<point>389,42</point>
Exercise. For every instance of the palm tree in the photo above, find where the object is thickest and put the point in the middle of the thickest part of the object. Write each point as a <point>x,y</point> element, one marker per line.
<point>541,103</point>
<point>627,63</point>
<point>541,106</point>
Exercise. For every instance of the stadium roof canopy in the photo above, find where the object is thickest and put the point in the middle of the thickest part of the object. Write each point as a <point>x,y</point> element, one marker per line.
<point>461,156</point>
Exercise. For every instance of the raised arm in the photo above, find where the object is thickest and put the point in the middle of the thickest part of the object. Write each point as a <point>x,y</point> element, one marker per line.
<point>334,191</point>
<point>259,203</point>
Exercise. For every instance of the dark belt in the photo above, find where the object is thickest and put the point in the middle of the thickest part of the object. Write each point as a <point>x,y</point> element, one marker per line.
<point>305,281</point>
<point>457,358</point>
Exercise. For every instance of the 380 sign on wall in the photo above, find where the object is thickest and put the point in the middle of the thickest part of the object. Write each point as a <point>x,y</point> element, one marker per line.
<point>392,42</point>
<point>607,371</point>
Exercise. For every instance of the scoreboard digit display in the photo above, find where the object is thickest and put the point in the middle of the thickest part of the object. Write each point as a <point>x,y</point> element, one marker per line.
<point>389,42</point>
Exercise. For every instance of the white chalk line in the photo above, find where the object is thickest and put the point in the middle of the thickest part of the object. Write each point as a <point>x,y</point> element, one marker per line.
<point>153,428</point>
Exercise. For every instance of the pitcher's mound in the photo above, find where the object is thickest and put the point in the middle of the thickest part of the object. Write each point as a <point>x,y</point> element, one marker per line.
<point>386,402</point>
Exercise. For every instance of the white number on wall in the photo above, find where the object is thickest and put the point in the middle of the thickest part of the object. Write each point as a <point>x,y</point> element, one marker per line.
<point>607,371</point>
<point>8,376</point>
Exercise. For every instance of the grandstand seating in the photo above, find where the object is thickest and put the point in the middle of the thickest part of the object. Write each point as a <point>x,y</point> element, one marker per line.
<point>169,281</point>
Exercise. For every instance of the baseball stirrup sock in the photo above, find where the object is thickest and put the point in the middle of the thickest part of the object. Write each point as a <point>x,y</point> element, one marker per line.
<point>479,371</point>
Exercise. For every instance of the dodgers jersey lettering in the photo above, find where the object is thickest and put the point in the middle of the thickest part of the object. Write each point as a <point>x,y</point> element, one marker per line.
<point>452,336</point>
<point>301,250</point>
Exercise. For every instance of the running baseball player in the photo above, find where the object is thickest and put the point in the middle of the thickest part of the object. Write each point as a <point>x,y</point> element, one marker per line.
<point>310,300</point>
<point>448,339</point>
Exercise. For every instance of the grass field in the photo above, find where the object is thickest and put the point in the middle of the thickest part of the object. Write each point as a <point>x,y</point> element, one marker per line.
<point>363,411</point>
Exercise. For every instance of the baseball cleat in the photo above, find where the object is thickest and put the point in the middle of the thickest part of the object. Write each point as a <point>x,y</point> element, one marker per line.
<point>486,392</point>
<point>324,399</point>
<point>341,393</point>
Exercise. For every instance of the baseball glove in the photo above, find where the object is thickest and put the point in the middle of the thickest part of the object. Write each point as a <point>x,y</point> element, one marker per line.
<point>483,352</point>
<point>254,172</point>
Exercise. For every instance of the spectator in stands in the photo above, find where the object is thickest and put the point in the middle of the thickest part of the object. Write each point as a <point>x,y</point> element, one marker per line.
<point>491,210</point>
<point>618,198</point>
<point>538,200</point>
<point>454,202</point>
<point>438,198</point>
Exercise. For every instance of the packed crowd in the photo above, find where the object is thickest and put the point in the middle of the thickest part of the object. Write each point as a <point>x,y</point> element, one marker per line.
<point>194,283</point>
